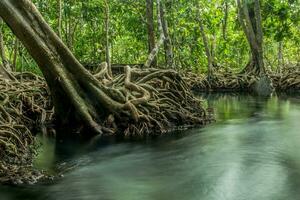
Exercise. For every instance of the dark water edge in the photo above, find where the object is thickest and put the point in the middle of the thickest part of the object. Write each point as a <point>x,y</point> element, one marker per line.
<point>252,152</point>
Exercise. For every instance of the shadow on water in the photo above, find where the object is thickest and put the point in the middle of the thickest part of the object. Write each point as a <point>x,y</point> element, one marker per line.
<point>252,152</point>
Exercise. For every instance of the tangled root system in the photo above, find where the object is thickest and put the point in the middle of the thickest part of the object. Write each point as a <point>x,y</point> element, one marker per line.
<point>229,81</point>
<point>23,103</point>
<point>150,101</point>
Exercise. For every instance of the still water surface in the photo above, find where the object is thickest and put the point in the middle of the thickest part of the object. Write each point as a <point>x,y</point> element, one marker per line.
<point>251,153</point>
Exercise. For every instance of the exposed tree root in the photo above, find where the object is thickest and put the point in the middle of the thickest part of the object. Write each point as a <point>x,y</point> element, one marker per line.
<point>152,101</point>
<point>229,81</point>
<point>288,80</point>
<point>23,103</point>
<point>135,103</point>
<point>221,81</point>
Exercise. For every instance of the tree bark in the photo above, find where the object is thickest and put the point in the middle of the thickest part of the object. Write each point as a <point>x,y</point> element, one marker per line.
<point>5,61</point>
<point>213,48</point>
<point>71,25</point>
<point>259,33</point>
<point>5,70</point>
<point>150,27</point>
<point>250,20</point>
<point>4,74</point>
<point>65,76</point>
<point>107,36</point>
<point>154,52</point>
<point>205,42</point>
<point>280,57</point>
<point>225,20</point>
<point>59,17</point>
<point>168,42</point>
<point>15,54</point>
<point>130,101</point>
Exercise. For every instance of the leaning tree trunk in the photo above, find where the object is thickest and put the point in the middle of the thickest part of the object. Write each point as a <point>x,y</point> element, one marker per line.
<point>66,77</point>
<point>136,102</point>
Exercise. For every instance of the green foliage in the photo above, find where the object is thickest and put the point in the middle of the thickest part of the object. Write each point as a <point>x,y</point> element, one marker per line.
<point>280,18</point>
<point>83,31</point>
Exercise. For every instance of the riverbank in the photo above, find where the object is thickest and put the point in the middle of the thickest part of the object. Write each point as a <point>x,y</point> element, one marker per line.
<point>24,105</point>
<point>239,82</point>
<point>152,102</point>
<point>254,144</point>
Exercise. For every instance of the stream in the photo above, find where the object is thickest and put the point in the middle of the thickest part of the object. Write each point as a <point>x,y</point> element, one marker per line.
<point>252,152</point>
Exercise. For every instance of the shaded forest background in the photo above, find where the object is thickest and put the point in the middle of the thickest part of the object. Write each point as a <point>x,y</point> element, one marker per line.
<point>82,26</point>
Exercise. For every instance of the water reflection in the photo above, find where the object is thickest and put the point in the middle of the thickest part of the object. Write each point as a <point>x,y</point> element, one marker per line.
<point>252,152</point>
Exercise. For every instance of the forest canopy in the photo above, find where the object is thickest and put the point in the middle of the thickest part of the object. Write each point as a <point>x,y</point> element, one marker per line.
<point>82,28</point>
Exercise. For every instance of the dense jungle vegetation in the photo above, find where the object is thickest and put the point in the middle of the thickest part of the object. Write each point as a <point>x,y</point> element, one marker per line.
<point>82,28</point>
<point>129,68</point>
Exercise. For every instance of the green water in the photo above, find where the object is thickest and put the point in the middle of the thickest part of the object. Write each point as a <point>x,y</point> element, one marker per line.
<point>251,153</point>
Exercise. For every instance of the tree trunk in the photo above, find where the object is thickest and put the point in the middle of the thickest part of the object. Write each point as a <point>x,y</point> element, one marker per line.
<point>225,20</point>
<point>168,42</point>
<point>107,45</point>
<point>250,20</point>
<point>132,100</point>
<point>65,76</point>
<point>15,54</point>
<point>150,27</point>
<point>5,68</point>
<point>59,17</point>
<point>280,57</point>
<point>71,25</point>
<point>213,48</point>
<point>5,61</point>
<point>259,36</point>
<point>4,74</point>
<point>206,43</point>
<point>154,52</point>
